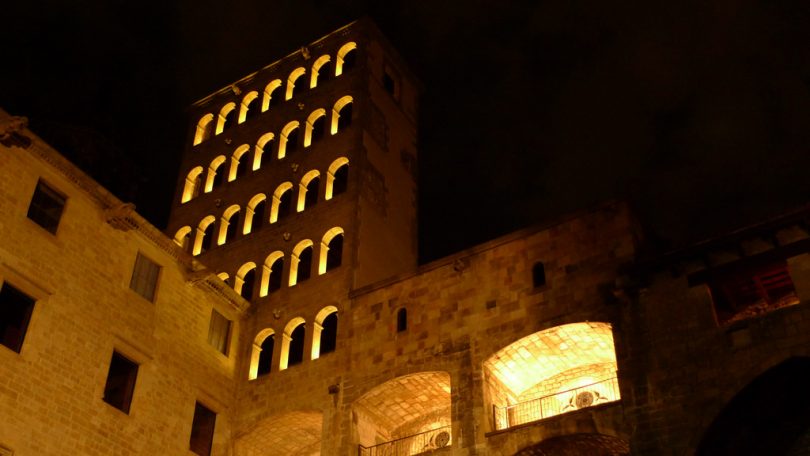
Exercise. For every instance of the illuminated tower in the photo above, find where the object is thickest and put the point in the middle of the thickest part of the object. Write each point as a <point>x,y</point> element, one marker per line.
<point>298,185</point>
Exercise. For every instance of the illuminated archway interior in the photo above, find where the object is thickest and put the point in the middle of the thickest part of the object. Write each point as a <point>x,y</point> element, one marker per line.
<point>405,415</point>
<point>550,372</point>
<point>294,433</point>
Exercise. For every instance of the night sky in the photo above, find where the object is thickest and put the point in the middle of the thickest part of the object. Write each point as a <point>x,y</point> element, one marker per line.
<point>696,112</point>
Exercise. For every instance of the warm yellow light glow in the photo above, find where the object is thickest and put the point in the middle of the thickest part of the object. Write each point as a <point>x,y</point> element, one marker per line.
<point>256,351</point>
<point>198,241</point>
<point>316,67</point>
<point>239,280</point>
<point>243,111</point>
<point>327,238</point>
<point>341,55</point>
<point>285,132</point>
<point>192,184</point>
<point>203,128</point>
<point>225,222</point>
<point>317,328</point>
<point>212,172</point>
<point>551,371</point>
<point>236,158</point>
<point>257,155</point>
<point>223,276</point>
<point>292,80</point>
<point>268,93</point>
<point>250,211</point>
<point>181,237</point>
<point>294,260</point>
<point>267,270</point>
<point>223,114</point>
<point>316,114</point>
<point>330,176</point>
<point>302,188</point>
<point>286,337</point>
<point>280,190</point>
<point>339,105</point>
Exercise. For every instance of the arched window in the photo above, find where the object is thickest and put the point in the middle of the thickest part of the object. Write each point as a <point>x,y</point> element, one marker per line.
<point>204,128</point>
<point>301,262</point>
<point>254,213</point>
<point>181,237</point>
<point>282,202</point>
<point>346,58</point>
<point>205,231</point>
<point>228,224</point>
<point>245,279</point>
<point>292,82</point>
<point>224,277</point>
<point>308,190</point>
<point>342,114</point>
<point>321,70</point>
<point>337,178</point>
<point>226,117</point>
<point>289,139</point>
<point>193,184</point>
<point>314,129</point>
<point>264,144</point>
<point>402,319</point>
<point>214,178</point>
<point>261,357</point>
<point>271,273</point>
<point>272,95</point>
<point>324,332</point>
<point>292,344</point>
<point>239,162</point>
<point>331,250</point>
<point>250,106</point>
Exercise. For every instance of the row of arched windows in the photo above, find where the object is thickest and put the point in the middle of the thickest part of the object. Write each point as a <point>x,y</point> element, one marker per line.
<point>282,203</point>
<point>267,355</point>
<point>288,141</point>
<point>252,104</point>
<point>299,269</point>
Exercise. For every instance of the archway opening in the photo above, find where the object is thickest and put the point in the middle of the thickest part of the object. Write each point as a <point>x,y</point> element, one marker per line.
<point>559,370</point>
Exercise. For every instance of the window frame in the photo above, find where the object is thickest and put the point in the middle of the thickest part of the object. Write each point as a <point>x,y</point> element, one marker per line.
<point>26,320</point>
<point>131,382</point>
<point>225,349</point>
<point>209,440</point>
<point>49,191</point>
<point>155,286</point>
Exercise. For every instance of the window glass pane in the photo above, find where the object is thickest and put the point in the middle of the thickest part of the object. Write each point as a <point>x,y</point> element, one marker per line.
<point>120,382</point>
<point>219,332</point>
<point>46,207</point>
<point>145,277</point>
<point>202,430</point>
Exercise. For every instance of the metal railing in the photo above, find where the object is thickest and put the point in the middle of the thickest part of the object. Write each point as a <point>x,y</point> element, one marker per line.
<point>556,404</point>
<point>411,445</point>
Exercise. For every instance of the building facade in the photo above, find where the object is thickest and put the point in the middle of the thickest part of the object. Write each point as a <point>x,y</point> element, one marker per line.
<point>284,313</point>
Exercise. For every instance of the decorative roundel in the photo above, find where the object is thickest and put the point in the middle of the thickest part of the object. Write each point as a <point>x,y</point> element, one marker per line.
<point>584,399</point>
<point>442,439</point>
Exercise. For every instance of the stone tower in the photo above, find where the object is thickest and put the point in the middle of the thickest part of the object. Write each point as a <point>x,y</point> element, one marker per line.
<point>298,185</point>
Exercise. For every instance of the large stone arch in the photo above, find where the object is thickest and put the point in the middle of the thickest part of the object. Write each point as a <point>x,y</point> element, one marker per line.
<point>406,413</point>
<point>768,416</point>
<point>297,433</point>
<point>578,445</point>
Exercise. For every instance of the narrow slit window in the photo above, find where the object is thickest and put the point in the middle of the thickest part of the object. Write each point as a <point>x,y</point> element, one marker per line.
<point>538,274</point>
<point>402,320</point>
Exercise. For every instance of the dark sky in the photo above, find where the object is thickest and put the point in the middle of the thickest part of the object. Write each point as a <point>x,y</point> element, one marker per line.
<point>697,112</point>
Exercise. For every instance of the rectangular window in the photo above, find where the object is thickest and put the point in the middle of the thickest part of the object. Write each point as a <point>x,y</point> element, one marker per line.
<point>120,382</point>
<point>46,207</point>
<point>752,291</point>
<point>15,313</point>
<point>219,332</point>
<point>145,277</point>
<point>202,430</point>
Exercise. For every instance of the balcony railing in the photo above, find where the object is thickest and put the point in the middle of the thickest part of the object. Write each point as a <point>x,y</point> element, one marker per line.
<point>578,398</point>
<point>411,445</point>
